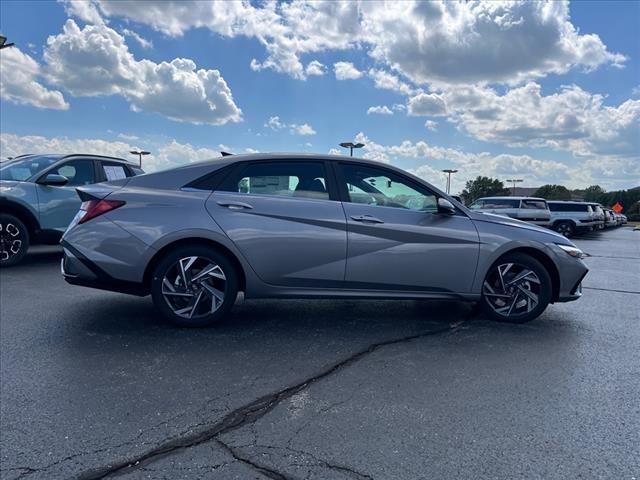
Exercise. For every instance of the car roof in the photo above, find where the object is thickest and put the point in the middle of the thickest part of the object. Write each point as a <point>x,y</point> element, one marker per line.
<point>65,156</point>
<point>271,156</point>
<point>576,202</point>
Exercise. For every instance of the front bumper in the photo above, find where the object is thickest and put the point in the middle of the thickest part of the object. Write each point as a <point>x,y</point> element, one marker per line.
<point>576,292</point>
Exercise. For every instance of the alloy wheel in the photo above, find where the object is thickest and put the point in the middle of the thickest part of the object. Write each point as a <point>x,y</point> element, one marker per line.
<point>10,241</point>
<point>512,289</point>
<point>564,229</point>
<point>194,287</point>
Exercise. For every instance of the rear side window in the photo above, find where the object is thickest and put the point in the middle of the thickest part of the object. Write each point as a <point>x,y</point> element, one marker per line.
<point>499,203</point>
<point>569,207</point>
<point>286,179</point>
<point>114,171</point>
<point>534,204</point>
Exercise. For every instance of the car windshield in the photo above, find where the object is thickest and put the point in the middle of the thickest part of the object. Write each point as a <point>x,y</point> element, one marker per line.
<point>25,168</point>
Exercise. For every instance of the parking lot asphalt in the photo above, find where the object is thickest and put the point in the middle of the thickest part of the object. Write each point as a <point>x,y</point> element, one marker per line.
<point>93,385</point>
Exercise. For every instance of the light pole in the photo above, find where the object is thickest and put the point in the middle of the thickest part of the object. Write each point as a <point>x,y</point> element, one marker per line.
<point>3,42</point>
<point>449,171</point>
<point>140,153</point>
<point>514,181</point>
<point>351,146</point>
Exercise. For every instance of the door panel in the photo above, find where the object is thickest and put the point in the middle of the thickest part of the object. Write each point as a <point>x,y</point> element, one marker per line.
<point>397,240</point>
<point>281,218</point>
<point>410,250</point>
<point>58,205</point>
<point>286,241</point>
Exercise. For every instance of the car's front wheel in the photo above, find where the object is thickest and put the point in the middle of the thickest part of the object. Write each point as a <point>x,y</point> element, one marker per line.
<point>194,286</point>
<point>517,289</point>
<point>14,240</point>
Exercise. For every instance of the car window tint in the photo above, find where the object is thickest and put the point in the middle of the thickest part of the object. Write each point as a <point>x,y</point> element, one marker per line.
<point>499,203</point>
<point>374,186</point>
<point>288,179</point>
<point>79,172</point>
<point>569,207</point>
<point>534,204</point>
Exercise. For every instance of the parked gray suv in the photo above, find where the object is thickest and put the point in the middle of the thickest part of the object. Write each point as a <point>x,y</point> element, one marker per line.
<point>308,226</point>
<point>38,197</point>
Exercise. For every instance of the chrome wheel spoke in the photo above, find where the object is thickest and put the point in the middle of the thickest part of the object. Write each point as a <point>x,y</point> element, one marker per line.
<point>512,289</point>
<point>192,282</point>
<point>522,275</point>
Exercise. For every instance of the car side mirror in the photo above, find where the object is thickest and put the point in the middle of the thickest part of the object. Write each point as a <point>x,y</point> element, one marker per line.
<point>54,180</point>
<point>445,207</point>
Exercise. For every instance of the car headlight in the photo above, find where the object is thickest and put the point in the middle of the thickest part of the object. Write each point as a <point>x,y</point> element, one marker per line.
<point>573,251</point>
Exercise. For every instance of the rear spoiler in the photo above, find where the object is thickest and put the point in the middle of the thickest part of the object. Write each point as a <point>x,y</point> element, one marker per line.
<point>98,191</point>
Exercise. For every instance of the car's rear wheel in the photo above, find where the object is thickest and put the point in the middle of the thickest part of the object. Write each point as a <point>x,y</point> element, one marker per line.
<point>14,240</point>
<point>194,286</point>
<point>517,289</point>
<point>564,228</point>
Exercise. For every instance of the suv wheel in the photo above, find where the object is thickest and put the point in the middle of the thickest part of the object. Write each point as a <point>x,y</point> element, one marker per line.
<point>14,240</point>
<point>194,286</point>
<point>564,228</point>
<point>516,289</point>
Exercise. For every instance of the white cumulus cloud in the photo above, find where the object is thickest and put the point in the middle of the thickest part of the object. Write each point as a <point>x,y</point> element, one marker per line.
<point>95,60</point>
<point>380,110</point>
<point>20,77</point>
<point>346,71</point>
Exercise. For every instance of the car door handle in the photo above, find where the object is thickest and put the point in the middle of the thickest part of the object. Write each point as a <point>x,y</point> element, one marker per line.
<point>365,219</point>
<point>235,205</point>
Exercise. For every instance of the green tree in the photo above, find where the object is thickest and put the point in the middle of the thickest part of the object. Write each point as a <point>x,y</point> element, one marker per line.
<point>483,187</point>
<point>553,192</point>
<point>593,193</point>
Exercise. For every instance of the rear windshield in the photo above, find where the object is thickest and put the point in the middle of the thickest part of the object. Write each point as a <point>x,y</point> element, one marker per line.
<point>569,207</point>
<point>25,168</point>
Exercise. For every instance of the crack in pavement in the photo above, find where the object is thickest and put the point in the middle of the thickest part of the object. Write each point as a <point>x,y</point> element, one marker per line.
<point>247,414</point>
<point>611,290</point>
<point>319,462</point>
<point>268,472</point>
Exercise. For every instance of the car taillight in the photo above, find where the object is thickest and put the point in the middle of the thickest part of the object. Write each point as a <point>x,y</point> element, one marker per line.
<point>94,208</point>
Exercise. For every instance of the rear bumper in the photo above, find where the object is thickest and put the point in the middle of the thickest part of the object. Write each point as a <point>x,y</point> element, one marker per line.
<point>77,269</point>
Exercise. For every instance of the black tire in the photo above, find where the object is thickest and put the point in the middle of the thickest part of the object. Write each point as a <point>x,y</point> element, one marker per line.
<point>564,228</point>
<point>228,286</point>
<point>543,290</point>
<point>14,240</point>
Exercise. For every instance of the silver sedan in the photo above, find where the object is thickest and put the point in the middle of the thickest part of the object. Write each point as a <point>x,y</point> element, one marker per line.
<point>308,226</point>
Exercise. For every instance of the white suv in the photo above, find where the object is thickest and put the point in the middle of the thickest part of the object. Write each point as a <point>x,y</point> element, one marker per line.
<point>528,209</point>
<point>569,218</point>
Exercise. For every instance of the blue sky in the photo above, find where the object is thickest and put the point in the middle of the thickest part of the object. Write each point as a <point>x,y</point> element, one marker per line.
<point>546,92</point>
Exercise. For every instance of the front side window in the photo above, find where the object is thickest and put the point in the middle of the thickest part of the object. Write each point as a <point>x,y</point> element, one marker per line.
<point>288,179</point>
<point>477,205</point>
<point>79,172</point>
<point>374,186</point>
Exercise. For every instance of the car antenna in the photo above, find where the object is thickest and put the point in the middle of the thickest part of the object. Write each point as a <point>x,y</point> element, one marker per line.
<point>226,154</point>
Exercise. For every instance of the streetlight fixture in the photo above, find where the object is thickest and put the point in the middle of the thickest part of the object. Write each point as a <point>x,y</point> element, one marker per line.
<point>140,153</point>
<point>514,181</point>
<point>449,171</point>
<point>3,42</point>
<point>351,146</point>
